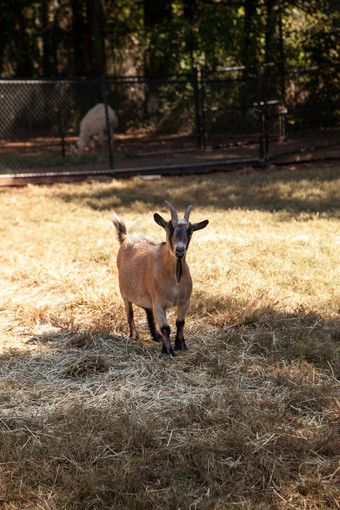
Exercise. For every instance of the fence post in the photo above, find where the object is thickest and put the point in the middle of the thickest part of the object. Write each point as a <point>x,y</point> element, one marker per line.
<point>260,117</point>
<point>202,106</point>
<point>264,87</point>
<point>197,107</point>
<point>62,122</point>
<point>283,118</point>
<point>283,122</point>
<point>108,126</point>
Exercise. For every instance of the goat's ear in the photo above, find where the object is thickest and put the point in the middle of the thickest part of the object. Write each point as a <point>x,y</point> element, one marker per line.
<point>200,225</point>
<point>159,220</point>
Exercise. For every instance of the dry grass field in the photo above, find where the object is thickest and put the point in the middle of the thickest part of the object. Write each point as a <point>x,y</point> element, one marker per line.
<point>248,418</point>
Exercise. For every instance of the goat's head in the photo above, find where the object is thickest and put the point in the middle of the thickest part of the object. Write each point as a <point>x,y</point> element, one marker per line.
<point>76,149</point>
<point>178,232</point>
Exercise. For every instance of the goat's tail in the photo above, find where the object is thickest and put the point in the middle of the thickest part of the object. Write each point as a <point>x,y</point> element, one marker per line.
<point>121,228</point>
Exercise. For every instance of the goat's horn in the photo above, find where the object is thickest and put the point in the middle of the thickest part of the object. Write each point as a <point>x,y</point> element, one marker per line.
<point>174,215</point>
<point>187,213</point>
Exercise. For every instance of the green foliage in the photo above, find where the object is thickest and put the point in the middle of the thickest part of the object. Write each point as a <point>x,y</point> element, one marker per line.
<point>94,38</point>
<point>106,37</point>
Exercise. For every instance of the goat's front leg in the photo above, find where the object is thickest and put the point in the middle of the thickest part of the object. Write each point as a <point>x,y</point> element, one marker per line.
<point>103,141</point>
<point>92,145</point>
<point>180,344</point>
<point>129,314</point>
<point>164,327</point>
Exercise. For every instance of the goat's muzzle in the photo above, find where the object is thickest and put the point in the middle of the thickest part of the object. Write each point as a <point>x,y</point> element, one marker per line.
<point>180,251</point>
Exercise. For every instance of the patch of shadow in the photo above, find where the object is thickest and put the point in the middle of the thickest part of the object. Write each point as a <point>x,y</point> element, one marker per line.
<point>87,365</point>
<point>254,191</point>
<point>74,338</point>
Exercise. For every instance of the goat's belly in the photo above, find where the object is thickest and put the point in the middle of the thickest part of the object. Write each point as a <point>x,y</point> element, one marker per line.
<point>140,300</point>
<point>143,303</point>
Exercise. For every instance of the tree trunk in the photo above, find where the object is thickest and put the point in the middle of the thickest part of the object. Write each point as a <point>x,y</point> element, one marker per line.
<point>25,68</point>
<point>78,39</point>
<point>48,48</point>
<point>96,37</point>
<point>249,47</point>
<point>156,14</point>
<point>271,39</point>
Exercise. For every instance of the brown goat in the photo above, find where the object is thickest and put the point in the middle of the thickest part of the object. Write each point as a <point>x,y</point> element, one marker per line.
<point>156,276</point>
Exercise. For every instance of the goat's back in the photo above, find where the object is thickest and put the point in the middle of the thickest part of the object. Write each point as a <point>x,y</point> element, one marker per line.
<point>95,119</point>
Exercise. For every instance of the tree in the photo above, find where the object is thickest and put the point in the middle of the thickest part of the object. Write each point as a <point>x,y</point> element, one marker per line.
<point>71,37</point>
<point>95,35</point>
<point>249,53</point>
<point>157,16</point>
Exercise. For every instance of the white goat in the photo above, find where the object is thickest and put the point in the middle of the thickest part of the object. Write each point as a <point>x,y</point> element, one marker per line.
<point>156,276</point>
<point>94,123</point>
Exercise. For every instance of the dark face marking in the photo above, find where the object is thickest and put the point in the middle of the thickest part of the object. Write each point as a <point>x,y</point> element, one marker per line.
<point>179,235</point>
<point>170,230</point>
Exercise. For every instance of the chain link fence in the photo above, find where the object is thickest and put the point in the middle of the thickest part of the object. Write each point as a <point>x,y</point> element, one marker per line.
<point>308,112</point>
<point>235,115</point>
<point>40,120</point>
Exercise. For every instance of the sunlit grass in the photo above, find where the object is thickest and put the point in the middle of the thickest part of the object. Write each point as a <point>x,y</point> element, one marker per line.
<point>248,417</point>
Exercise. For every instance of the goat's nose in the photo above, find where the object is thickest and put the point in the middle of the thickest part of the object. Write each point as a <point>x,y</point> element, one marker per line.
<point>180,250</point>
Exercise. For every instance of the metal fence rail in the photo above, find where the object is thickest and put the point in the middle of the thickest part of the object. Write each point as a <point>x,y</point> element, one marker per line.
<point>235,114</point>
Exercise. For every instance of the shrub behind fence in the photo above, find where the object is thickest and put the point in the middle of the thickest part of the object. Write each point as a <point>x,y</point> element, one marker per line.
<point>39,119</point>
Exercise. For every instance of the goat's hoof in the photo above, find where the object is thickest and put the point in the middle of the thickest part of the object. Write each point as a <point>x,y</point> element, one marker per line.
<point>134,337</point>
<point>157,338</point>
<point>181,347</point>
<point>171,354</point>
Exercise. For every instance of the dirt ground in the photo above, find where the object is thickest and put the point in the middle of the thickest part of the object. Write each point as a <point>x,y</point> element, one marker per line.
<point>147,153</point>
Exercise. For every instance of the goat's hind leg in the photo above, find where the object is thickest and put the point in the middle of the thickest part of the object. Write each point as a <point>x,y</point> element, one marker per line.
<point>156,337</point>
<point>129,313</point>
